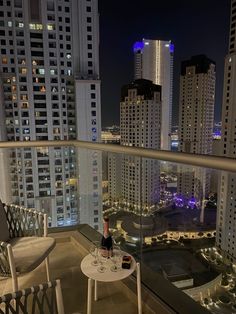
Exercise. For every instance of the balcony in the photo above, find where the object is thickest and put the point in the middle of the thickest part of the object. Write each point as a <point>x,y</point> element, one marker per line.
<point>72,245</point>
<point>173,238</point>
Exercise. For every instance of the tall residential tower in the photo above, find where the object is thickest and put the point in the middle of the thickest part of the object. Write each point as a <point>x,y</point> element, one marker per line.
<point>154,62</point>
<point>226,215</point>
<point>196,118</point>
<point>50,90</point>
<point>140,123</point>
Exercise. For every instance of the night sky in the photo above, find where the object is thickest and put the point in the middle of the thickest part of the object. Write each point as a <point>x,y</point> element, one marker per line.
<point>194,26</point>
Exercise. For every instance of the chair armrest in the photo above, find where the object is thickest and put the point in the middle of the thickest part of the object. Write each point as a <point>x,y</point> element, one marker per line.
<point>24,222</point>
<point>4,260</point>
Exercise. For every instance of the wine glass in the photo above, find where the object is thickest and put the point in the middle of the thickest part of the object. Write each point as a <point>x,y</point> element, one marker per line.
<point>116,258</point>
<point>102,258</point>
<point>93,250</point>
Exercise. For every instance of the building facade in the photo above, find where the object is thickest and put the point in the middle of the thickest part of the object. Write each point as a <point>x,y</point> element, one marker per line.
<point>50,90</point>
<point>226,214</point>
<point>196,118</point>
<point>154,61</point>
<point>140,126</point>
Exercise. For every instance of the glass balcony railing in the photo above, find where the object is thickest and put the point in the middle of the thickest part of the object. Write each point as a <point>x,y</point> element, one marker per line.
<point>167,209</point>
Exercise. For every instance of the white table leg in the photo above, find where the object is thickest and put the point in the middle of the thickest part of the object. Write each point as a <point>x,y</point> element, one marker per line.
<point>95,290</point>
<point>89,301</point>
<point>139,288</point>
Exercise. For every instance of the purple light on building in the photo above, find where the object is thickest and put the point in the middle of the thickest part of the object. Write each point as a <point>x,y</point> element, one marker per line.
<point>172,48</point>
<point>139,45</point>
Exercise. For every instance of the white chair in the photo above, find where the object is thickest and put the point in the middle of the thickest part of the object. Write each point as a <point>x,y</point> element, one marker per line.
<point>44,298</point>
<point>24,243</point>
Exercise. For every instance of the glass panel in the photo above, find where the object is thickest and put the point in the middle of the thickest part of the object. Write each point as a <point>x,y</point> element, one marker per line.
<point>165,214</point>
<point>44,178</point>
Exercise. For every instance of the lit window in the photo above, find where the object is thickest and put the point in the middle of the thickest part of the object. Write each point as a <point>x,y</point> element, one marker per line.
<point>36,26</point>
<point>39,26</point>
<point>24,105</point>
<point>4,60</point>
<point>50,27</point>
<point>23,97</point>
<point>9,23</point>
<point>41,71</point>
<point>23,70</point>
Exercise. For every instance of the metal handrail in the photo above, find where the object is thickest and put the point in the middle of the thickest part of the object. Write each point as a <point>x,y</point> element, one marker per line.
<point>206,161</point>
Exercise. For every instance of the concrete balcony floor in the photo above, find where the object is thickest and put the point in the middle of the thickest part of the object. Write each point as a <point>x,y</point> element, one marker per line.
<point>65,264</point>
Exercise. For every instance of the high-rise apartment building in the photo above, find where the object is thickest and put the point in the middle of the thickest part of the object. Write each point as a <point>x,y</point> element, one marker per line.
<point>226,214</point>
<point>50,90</point>
<point>196,118</point>
<point>154,62</point>
<point>140,125</point>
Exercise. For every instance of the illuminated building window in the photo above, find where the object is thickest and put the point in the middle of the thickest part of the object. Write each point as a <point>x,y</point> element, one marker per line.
<point>24,97</point>
<point>23,70</point>
<point>41,71</point>
<point>36,26</point>
<point>25,105</point>
<point>4,60</point>
<point>50,27</point>
<point>20,24</point>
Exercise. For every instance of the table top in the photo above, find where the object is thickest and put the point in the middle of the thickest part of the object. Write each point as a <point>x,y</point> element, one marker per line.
<point>108,276</point>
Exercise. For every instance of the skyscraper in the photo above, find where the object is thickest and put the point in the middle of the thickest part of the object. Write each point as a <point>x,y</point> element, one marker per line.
<point>196,118</point>
<point>226,214</point>
<point>140,123</point>
<point>154,62</point>
<point>50,89</point>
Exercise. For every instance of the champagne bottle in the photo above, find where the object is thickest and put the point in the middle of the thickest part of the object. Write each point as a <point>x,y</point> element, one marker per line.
<point>106,238</point>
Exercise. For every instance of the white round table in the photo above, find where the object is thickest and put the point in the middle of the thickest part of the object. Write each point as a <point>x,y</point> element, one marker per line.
<point>108,276</point>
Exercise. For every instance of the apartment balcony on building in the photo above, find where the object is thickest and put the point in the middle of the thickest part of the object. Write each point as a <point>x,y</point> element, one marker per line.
<point>182,270</point>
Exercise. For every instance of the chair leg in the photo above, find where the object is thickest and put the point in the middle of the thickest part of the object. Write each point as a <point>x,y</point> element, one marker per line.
<point>47,268</point>
<point>12,268</point>
<point>60,306</point>
<point>14,282</point>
